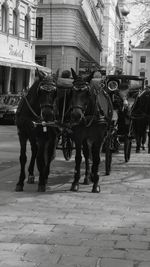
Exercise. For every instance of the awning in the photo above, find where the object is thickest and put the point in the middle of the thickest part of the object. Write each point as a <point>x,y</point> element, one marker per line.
<point>42,68</point>
<point>22,64</point>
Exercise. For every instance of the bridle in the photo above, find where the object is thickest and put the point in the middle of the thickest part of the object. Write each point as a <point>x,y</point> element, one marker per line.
<point>49,87</point>
<point>83,108</point>
<point>81,87</point>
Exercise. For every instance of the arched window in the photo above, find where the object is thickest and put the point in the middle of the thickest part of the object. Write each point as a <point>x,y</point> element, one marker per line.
<point>26,27</point>
<point>15,23</point>
<point>4,13</point>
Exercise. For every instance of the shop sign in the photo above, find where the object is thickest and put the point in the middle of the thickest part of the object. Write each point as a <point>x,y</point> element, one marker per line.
<point>15,52</point>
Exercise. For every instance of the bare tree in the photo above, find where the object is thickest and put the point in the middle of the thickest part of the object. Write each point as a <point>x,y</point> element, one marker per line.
<point>144,18</point>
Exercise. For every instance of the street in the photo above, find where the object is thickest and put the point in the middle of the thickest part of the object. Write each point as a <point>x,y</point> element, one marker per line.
<point>60,228</point>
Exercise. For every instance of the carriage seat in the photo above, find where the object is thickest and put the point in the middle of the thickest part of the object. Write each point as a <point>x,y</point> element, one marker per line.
<point>64,83</point>
<point>64,86</point>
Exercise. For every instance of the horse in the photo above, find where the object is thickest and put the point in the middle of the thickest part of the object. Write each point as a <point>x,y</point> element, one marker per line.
<point>91,114</point>
<point>36,104</point>
<point>47,138</point>
<point>140,115</point>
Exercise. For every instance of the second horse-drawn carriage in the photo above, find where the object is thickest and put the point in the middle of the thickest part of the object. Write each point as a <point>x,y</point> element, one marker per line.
<point>124,90</point>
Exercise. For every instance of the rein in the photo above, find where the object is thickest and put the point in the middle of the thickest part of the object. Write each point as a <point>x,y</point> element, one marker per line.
<point>93,116</point>
<point>30,108</point>
<point>44,87</point>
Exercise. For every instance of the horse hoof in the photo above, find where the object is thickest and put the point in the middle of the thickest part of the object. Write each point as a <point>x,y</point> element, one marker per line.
<point>31,179</point>
<point>41,188</point>
<point>96,189</point>
<point>137,150</point>
<point>19,188</point>
<point>74,188</point>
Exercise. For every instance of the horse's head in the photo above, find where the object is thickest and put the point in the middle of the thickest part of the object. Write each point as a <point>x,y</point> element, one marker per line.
<point>47,95</point>
<point>80,97</point>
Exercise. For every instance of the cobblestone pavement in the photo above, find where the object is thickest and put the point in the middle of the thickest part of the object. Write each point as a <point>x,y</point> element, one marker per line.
<point>60,228</point>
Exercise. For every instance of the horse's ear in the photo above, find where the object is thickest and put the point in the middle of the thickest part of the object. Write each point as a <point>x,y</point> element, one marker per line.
<point>37,72</point>
<point>55,75</point>
<point>40,74</point>
<point>74,75</point>
<point>89,77</point>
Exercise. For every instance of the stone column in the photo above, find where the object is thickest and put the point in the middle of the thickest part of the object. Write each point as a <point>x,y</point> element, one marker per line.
<point>7,80</point>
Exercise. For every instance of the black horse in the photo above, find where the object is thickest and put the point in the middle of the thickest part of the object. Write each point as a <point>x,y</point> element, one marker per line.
<point>91,114</point>
<point>35,105</point>
<point>140,115</point>
<point>47,136</point>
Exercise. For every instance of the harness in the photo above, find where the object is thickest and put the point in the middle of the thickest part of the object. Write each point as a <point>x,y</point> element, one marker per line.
<point>45,85</point>
<point>30,108</point>
<point>99,115</point>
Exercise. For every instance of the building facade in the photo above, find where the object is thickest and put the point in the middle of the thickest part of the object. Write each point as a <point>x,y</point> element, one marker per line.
<point>17,50</point>
<point>113,55</point>
<point>69,34</point>
<point>141,58</point>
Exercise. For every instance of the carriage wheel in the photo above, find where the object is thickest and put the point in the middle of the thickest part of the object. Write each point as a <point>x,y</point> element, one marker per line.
<point>67,147</point>
<point>108,155</point>
<point>127,148</point>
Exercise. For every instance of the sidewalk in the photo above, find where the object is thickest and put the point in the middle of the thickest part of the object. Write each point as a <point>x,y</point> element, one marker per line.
<point>60,228</point>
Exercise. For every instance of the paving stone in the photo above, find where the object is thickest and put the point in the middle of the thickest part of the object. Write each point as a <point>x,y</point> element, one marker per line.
<point>116,263</point>
<point>144,264</point>
<point>139,255</point>
<point>131,244</point>
<point>73,261</point>
<point>17,264</point>
<point>107,253</point>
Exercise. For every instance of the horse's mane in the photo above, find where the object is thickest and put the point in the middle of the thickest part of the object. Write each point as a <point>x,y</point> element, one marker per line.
<point>33,88</point>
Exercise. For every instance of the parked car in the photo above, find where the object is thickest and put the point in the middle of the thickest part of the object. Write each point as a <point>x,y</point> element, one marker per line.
<point>8,107</point>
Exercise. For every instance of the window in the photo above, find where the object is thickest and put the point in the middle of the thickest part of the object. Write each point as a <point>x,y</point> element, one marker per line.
<point>41,60</point>
<point>142,74</point>
<point>26,27</point>
<point>143,59</point>
<point>4,18</point>
<point>39,27</point>
<point>15,23</point>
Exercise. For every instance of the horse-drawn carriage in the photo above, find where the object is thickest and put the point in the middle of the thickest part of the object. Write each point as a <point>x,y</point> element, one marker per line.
<point>44,106</point>
<point>75,113</point>
<point>123,90</point>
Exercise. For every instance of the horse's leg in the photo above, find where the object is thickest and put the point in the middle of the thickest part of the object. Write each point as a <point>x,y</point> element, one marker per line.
<point>31,176</point>
<point>138,136</point>
<point>23,160</point>
<point>40,160</point>
<point>149,139</point>
<point>138,143</point>
<point>95,167</point>
<point>144,135</point>
<point>78,160</point>
<point>86,153</point>
<point>50,151</point>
